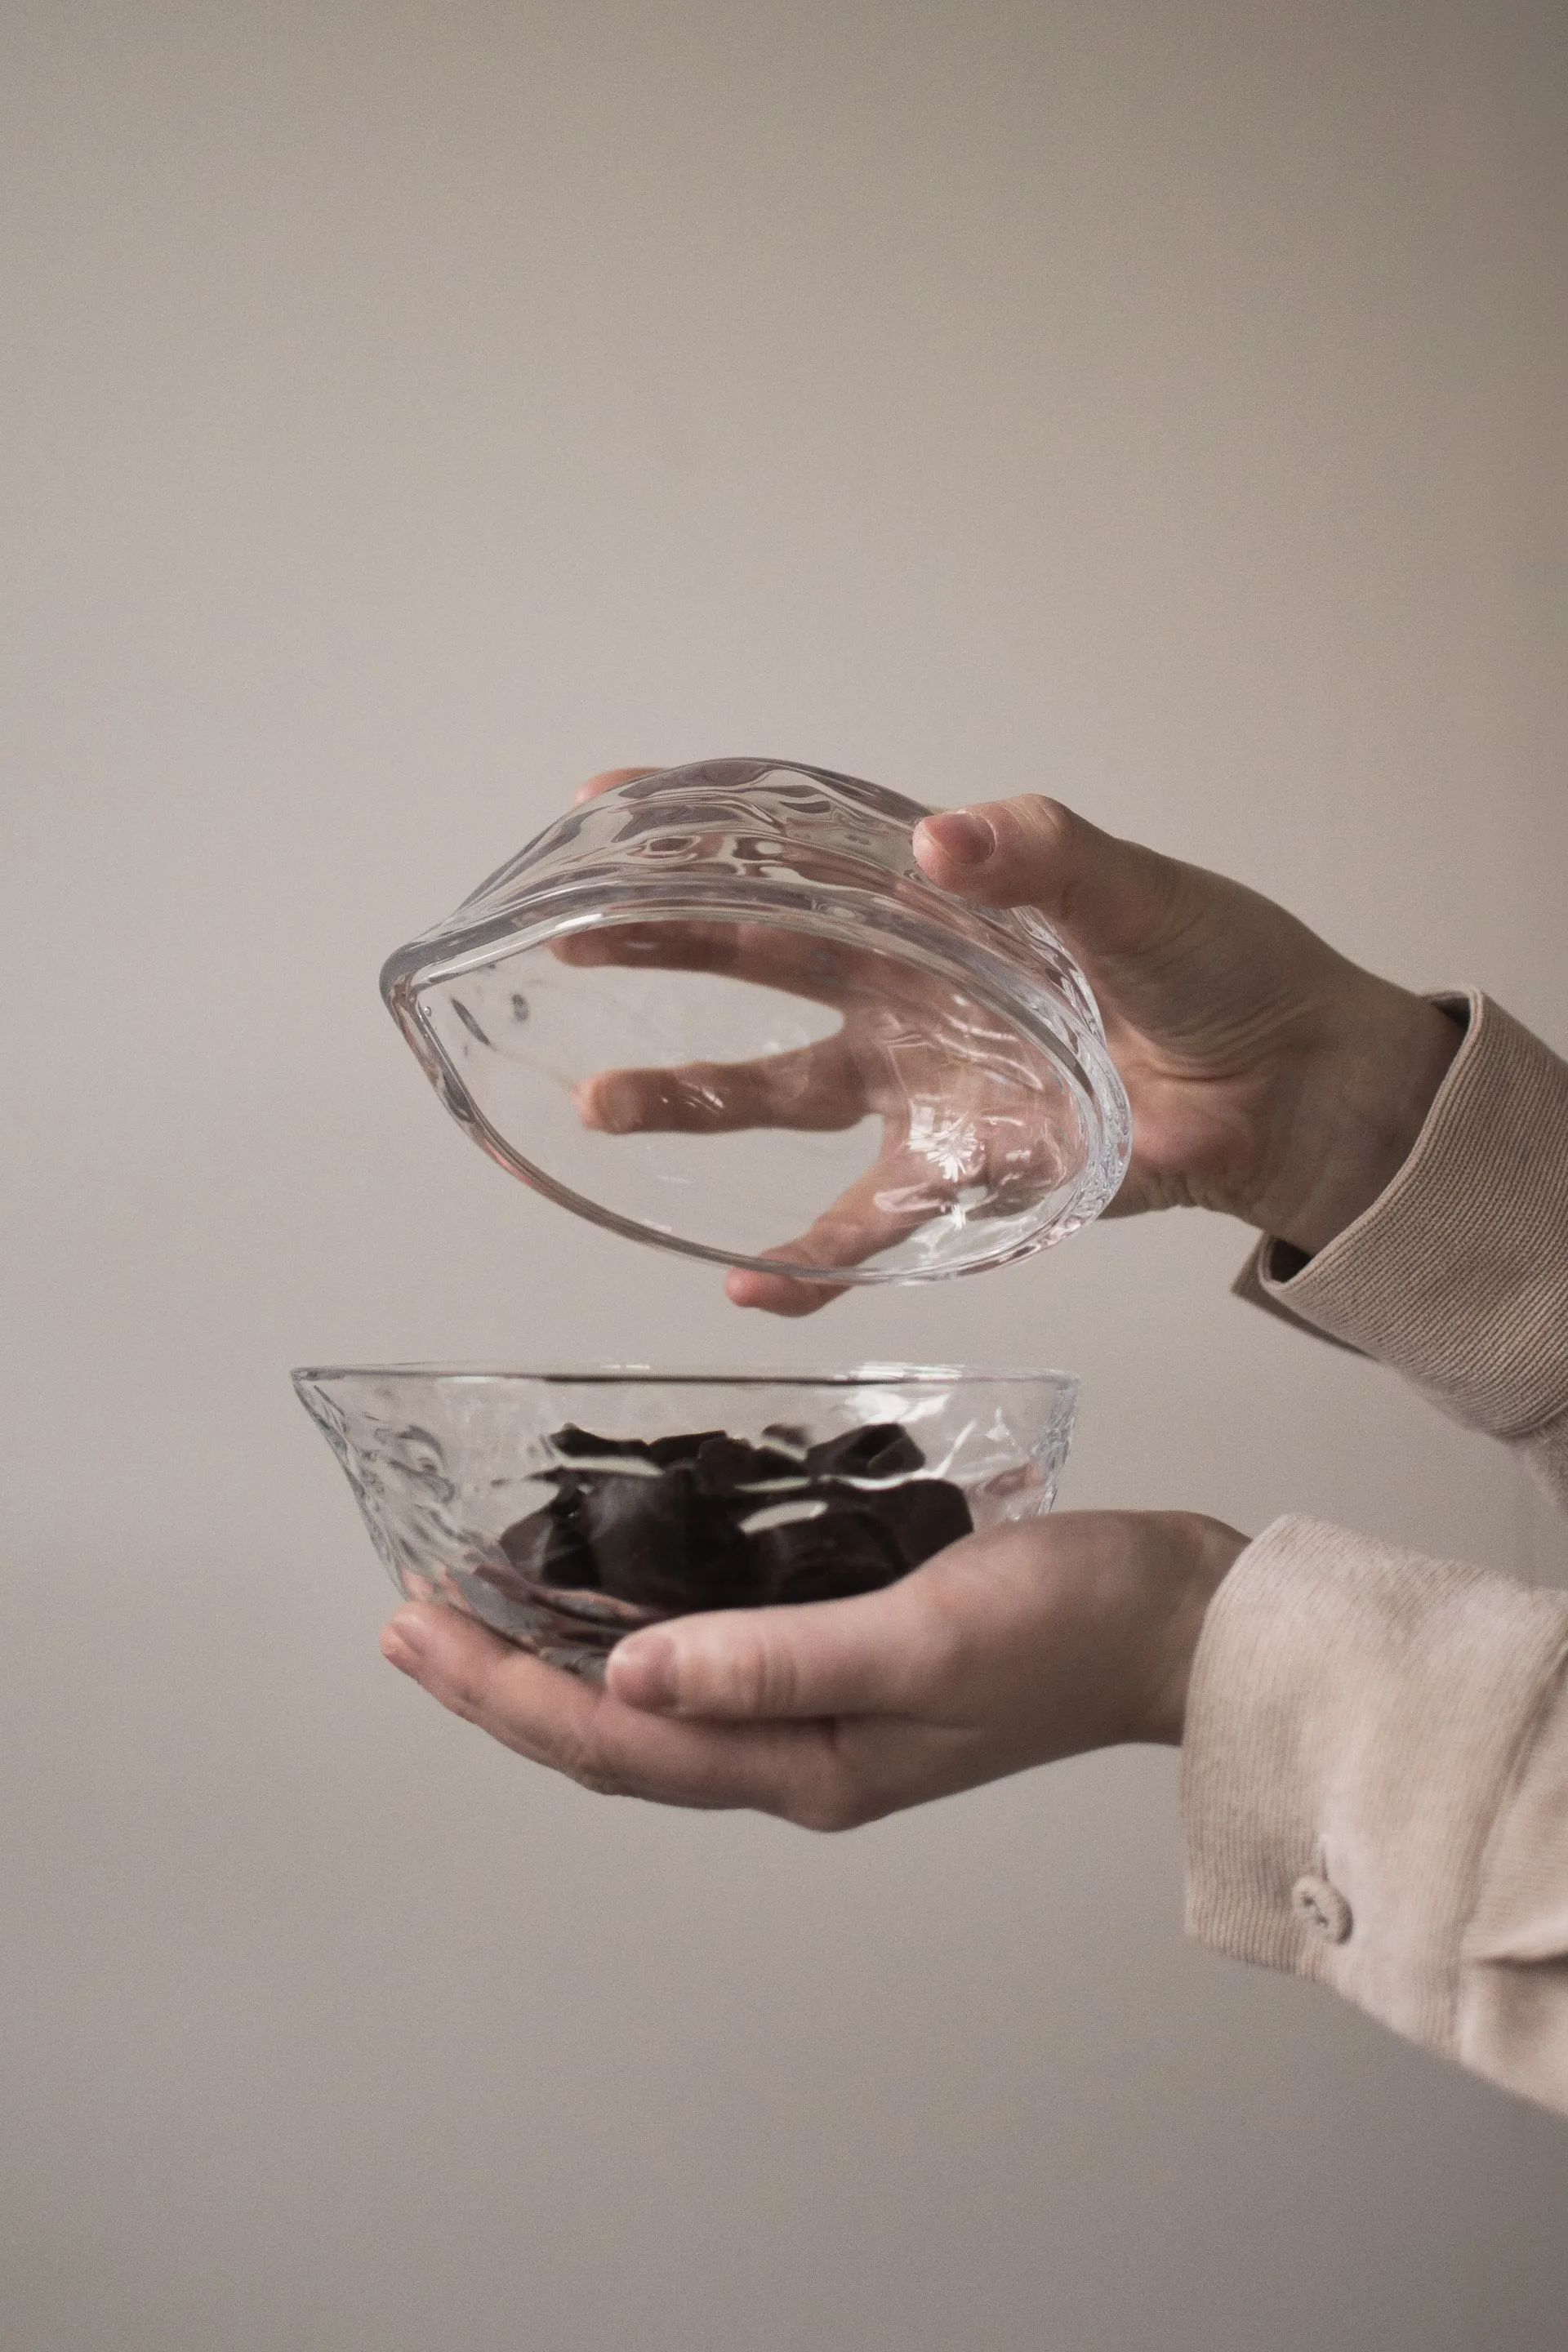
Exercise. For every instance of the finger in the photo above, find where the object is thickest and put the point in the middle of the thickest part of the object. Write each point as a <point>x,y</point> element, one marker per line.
<point>766,953</point>
<point>815,1090</point>
<point>606,780</point>
<point>874,1654</point>
<point>1033,852</point>
<point>594,1739</point>
<point>779,1294</point>
<point>899,1193</point>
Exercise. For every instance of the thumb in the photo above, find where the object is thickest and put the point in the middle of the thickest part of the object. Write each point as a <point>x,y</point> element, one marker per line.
<point>1112,895</point>
<point>859,1656</point>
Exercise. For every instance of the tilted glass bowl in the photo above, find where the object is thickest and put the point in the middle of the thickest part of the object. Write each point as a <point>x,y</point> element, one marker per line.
<point>722,1010</point>
<point>448,1466</point>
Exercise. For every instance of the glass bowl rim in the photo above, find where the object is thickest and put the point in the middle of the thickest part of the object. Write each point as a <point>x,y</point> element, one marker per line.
<point>875,1375</point>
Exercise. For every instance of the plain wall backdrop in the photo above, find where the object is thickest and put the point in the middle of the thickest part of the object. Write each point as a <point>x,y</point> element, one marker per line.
<point>405,410</point>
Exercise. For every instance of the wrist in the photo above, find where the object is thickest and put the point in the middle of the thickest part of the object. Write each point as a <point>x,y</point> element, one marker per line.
<point>1206,1550</point>
<point>1355,1113</point>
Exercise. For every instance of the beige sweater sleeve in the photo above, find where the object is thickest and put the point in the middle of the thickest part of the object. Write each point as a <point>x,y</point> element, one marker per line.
<point>1375,1773</point>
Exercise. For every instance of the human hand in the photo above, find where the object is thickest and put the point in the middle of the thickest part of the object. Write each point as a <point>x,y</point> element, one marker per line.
<point>1017,1647</point>
<point>1270,1078</point>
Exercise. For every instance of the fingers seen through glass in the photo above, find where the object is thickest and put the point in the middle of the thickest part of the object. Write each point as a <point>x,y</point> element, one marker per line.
<point>769,955</point>
<point>815,1089</point>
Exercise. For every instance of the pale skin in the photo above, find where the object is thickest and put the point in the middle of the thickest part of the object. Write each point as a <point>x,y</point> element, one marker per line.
<point>1270,1079</point>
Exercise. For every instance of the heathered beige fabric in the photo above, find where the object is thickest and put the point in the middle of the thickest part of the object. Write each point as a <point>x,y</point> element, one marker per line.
<point>1373,1730</point>
<point>1458,1275</point>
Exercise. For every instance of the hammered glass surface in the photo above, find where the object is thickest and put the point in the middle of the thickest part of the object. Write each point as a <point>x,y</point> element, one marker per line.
<point>722,1010</point>
<point>443,1462</point>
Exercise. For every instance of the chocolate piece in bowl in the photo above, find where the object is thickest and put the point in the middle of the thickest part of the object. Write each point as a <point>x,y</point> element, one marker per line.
<point>726,1524</point>
<point>839,1551</point>
<point>884,1450</point>
<point>924,1516</point>
<point>575,1444</point>
<point>730,1465</point>
<point>860,1538</point>
<point>550,1547</point>
<point>666,1544</point>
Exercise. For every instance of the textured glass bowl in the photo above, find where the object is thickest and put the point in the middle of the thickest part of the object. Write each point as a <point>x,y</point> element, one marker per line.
<point>442,1463</point>
<point>722,1010</point>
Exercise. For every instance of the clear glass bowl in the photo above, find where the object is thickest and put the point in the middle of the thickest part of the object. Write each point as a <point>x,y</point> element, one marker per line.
<point>448,1466</point>
<point>722,1010</point>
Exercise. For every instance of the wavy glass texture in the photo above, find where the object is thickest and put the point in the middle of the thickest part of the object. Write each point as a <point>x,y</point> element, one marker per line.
<point>721,1010</point>
<point>443,1462</point>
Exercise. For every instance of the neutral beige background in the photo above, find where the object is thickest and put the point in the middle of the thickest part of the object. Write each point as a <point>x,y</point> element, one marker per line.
<point>407,410</point>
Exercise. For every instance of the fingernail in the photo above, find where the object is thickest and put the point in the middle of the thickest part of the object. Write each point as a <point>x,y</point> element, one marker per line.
<point>967,839</point>
<point>603,1105</point>
<point>641,1672</point>
<point>403,1640</point>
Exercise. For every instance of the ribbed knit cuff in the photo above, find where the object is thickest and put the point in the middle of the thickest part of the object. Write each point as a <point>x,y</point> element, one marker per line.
<point>1457,1274</point>
<point>1356,1716</point>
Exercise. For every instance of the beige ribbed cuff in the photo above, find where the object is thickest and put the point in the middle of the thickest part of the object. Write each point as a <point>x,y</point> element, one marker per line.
<point>1356,1716</point>
<point>1457,1274</point>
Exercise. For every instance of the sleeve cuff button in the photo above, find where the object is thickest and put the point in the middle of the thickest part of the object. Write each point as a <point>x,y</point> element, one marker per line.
<point>1323,1908</point>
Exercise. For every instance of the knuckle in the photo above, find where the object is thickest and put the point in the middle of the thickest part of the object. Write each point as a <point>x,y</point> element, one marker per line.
<point>1048,830</point>
<point>1048,821</point>
<point>759,1675</point>
<point>778,1679</point>
<point>1037,840</point>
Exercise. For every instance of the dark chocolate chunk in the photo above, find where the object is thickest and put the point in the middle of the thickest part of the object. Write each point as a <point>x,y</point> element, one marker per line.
<point>549,1546</point>
<point>924,1516</point>
<point>663,1543</point>
<point>668,1451</point>
<point>581,1445</point>
<point>725,1465</point>
<point>843,1549</point>
<point>636,1529</point>
<point>640,1532</point>
<point>884,1449</point>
